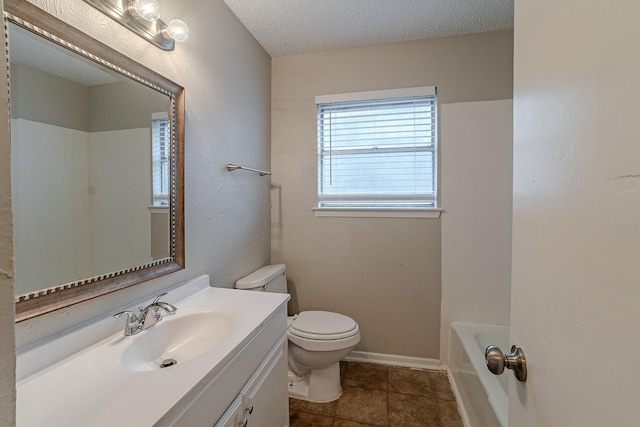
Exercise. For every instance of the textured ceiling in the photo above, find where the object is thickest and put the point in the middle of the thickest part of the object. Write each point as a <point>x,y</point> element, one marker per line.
<point>289,27</point>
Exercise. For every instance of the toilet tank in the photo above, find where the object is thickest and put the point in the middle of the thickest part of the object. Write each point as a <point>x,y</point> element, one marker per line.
<point>270,278</point>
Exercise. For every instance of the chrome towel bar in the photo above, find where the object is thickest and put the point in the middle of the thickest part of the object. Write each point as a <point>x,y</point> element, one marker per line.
<point>232,167</point>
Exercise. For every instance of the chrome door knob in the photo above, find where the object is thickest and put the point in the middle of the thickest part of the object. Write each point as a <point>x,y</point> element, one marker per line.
<point>496,361</point>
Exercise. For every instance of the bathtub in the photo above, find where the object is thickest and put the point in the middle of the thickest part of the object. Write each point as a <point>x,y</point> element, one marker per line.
<point>482,397</point>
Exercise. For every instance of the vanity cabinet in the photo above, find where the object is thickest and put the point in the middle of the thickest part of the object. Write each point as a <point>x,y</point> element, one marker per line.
<point>234,415</point>
<point>260,401</point>
<point>250,390</point>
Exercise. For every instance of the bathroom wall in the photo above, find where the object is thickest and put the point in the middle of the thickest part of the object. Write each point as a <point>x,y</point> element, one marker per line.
<point>123,105</point>
<point>46,98</point>
<point>226,75</point>
<point>383,272</point>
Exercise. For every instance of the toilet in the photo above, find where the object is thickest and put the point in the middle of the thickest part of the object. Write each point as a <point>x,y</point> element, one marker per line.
<point>318,340</point>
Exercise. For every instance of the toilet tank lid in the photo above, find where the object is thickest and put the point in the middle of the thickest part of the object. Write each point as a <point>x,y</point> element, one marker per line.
<point>260,277</point>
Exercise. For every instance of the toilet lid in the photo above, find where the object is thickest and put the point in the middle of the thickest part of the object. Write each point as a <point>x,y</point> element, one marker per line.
<point>323,325</point>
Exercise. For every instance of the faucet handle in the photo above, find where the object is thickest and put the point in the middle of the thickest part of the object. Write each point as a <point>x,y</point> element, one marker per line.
<point>168,308</point>
<point>131,316</point>
<point>155,301</point>
<point>132,326</point>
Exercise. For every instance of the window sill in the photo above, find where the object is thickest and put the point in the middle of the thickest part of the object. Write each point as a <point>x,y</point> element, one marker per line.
<point>377,212</point>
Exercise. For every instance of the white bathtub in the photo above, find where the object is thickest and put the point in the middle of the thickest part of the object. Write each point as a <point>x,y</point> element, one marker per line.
<point>482,397</point>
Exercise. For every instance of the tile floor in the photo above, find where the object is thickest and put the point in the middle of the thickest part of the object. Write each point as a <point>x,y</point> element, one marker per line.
<point>377,395</point>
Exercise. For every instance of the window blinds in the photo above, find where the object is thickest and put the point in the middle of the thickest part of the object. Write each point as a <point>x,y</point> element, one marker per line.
<point>378,152</point>
<point>160,154</point>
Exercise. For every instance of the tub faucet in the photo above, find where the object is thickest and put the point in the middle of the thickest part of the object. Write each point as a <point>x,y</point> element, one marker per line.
<point>147,316</point>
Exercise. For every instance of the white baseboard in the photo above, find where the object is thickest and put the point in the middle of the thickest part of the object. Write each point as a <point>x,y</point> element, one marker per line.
<point>394,360</point>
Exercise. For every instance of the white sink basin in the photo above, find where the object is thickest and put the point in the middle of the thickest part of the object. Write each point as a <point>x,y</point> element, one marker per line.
<point>180,339</point>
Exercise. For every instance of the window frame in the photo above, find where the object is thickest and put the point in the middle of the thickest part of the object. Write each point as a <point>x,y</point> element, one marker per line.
<point>379,211</point>
<point>160,200</point>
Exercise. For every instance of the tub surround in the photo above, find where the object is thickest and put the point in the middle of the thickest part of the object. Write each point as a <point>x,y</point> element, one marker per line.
<point>84,366</point>
<point>476,243</point>
<point>482,397</point>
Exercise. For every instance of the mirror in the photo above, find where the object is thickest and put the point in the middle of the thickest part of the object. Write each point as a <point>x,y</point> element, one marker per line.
<point>97,143</point>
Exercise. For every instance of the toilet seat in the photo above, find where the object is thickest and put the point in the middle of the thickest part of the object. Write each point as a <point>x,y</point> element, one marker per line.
<point>323,325</point>
<point>323,331</point>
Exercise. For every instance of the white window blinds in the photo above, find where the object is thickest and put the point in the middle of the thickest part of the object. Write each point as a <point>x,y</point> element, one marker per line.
<point>377,149</point>
<point>160,154</point>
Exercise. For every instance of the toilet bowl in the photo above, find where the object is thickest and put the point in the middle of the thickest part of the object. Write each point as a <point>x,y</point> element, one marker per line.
<point>318,341</point>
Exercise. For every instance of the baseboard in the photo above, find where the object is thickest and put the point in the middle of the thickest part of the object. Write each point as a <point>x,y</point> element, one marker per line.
<point>394,360</point>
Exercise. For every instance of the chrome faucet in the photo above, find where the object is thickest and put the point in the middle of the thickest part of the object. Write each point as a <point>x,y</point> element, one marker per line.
<point>147,316</point>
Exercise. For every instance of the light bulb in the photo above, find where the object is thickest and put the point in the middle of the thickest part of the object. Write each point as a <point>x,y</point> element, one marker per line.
<point>148,10</point>
<point>177,30</point>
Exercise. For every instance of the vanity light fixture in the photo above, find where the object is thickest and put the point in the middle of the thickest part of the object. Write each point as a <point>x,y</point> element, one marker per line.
<point>149,10</point>
<point>143,18</point>
<point>176,30</point>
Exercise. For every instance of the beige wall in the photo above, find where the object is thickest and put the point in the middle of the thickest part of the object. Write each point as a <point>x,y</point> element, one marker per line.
<point>45,98</point>
<point>123,105</point>
<point>383,272</point>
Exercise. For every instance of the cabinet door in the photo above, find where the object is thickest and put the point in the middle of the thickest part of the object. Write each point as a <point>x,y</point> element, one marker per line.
<point>266,400</point>
<point>233,416</point>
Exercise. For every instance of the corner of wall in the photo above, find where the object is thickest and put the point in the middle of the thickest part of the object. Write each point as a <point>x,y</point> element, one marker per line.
<point>7,318</point>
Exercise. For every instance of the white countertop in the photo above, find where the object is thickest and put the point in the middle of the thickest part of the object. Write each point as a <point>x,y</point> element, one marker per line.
<point>91,388</point>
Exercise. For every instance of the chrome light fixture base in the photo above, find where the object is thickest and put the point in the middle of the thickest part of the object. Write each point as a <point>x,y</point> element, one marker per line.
<point>120,11</point>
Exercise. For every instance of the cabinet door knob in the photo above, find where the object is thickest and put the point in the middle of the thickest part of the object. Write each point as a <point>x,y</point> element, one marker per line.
<point>249,409</point>
<point>244,422</point>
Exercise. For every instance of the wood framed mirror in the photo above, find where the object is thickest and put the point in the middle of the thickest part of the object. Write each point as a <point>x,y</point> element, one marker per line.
<point>97,162</point>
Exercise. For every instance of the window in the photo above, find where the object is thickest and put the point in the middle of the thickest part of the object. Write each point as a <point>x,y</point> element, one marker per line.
<point>377,149</point>
<point>160,146</point>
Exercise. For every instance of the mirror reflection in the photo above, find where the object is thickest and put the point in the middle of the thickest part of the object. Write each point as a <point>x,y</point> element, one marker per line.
<point>90,166</point>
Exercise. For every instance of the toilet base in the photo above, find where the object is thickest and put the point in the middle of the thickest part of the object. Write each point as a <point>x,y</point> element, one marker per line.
<point>319,385</point>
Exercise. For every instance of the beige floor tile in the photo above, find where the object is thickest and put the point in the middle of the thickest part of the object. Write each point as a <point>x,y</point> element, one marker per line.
<point>376,395</point>
<point>410,381</point>
<point>304,419</point>
<point>328,409</point>
<point>366,375</point>
<point>347,423</point>
<point>449,415</point>
<point>407,410</point>
<point>363,405</point>
<point>441,385</point>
